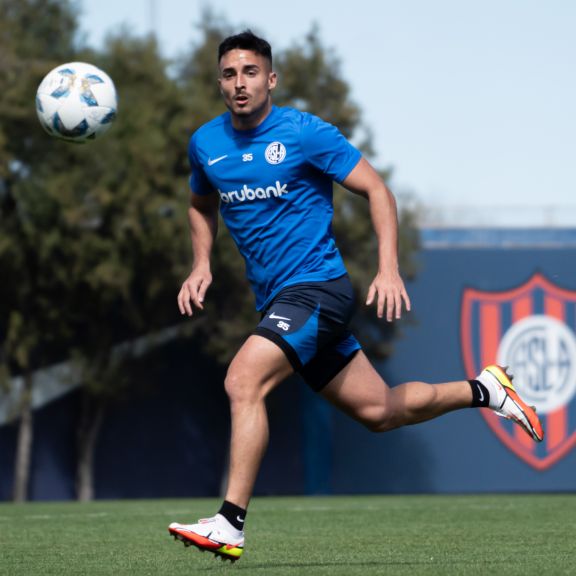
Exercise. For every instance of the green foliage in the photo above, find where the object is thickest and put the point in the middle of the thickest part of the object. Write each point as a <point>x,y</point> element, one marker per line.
<point>91,236</point>
<point>29,47</point>
<point>198,70</point>
<point>310,79</point>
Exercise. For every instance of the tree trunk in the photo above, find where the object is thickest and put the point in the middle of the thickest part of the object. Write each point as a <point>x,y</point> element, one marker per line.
<point>89,429</point>
<point>24,442</point>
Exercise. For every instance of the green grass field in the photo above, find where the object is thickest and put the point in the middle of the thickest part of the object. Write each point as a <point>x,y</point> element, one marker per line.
<point>352,535</point>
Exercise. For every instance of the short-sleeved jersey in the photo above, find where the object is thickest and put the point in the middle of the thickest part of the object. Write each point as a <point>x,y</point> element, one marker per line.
<point>275,187</point>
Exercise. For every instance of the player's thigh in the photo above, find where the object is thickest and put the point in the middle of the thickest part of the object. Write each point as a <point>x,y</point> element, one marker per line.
<point>257,368</point>
<point>359,391</point>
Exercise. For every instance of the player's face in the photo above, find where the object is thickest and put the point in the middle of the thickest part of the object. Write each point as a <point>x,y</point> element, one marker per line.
<point>246,82</point>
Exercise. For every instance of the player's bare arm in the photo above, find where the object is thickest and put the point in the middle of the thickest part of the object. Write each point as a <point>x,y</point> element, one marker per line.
<point>203,220</point>
<point>387,289</point>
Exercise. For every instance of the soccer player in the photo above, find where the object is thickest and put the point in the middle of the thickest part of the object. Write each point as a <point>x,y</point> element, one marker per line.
<point>270,172</point>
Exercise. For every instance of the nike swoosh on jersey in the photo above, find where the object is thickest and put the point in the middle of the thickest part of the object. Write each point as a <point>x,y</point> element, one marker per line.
<point>211,162</point>
<point>274,317</point>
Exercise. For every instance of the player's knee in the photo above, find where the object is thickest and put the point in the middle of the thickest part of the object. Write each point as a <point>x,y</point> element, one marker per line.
<point>241,387</point>
<point>378,418</point>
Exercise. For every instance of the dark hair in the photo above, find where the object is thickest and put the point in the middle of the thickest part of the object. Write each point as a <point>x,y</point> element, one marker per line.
<point>246,40</point>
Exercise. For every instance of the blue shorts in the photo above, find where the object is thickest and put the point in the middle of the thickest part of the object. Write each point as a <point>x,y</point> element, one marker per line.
<point>309,322</point>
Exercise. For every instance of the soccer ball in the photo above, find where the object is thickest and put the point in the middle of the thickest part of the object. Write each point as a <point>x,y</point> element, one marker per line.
<point>76,102</point>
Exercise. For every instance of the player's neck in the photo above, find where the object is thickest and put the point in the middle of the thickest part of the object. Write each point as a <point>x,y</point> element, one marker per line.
<point>251,121</point>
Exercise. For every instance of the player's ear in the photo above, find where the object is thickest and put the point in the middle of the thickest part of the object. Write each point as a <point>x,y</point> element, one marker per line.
<point>272,80</point>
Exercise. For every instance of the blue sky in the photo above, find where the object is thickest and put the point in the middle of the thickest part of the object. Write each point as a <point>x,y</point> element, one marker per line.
<point>472,102</point>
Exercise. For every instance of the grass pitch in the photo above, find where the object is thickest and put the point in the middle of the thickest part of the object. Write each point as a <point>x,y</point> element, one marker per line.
<point>348,536</point>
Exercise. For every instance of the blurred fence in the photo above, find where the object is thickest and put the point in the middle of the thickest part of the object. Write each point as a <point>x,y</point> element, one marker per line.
<point>432,215</point>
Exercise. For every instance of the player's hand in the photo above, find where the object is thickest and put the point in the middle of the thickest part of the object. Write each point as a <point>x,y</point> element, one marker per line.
<point>388,290</point>
<point>193,291</point>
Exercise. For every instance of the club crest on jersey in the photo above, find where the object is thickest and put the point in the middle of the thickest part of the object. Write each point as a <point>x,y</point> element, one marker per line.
<point>532,329</point>
<point>275,153</point>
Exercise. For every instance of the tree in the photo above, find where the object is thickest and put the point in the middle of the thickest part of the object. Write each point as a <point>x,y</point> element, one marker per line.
<point>28,45</point>
<point>310,78</point>
<point>90,236</point>
<point>129,259</point>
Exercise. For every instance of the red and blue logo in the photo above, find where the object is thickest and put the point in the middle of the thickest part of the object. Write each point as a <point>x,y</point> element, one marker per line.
<point>532,329</point>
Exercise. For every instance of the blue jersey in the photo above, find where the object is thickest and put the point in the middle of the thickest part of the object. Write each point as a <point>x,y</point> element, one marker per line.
<point>275,187</point>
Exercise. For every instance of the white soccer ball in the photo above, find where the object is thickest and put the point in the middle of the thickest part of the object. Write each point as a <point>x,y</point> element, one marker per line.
<point>76,102</point>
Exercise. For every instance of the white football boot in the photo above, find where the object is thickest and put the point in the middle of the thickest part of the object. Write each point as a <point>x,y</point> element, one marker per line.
<point>506,402</point>
<point>214,534</point>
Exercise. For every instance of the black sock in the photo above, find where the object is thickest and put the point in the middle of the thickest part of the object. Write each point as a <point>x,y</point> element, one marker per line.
<point>480,394</point>
<point>234,514</point>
